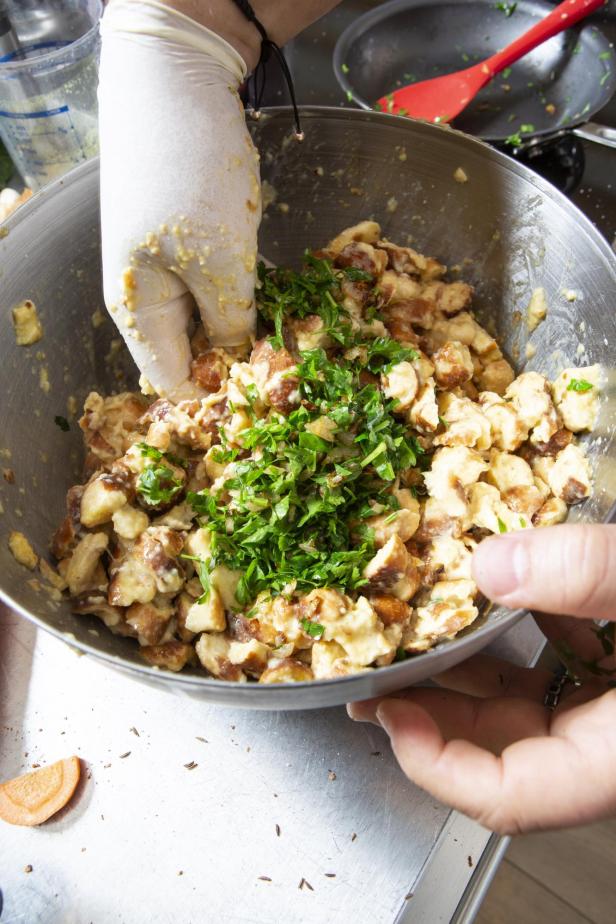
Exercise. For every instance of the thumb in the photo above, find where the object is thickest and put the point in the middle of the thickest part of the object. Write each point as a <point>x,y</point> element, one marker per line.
<point>152,314</point>
<point>561,569</point>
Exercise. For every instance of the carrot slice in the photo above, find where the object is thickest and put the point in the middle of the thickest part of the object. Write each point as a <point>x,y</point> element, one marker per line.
<point>34,797</point>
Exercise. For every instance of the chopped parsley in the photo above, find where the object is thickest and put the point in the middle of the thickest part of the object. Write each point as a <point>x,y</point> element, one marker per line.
<point>158,485</point>
<point>151,452</point>
<point>383,353</point>
<point>62,422</point>
<point>313,629</point>
<point>293,513</point>
<point>522,522</point>
<point>507,8</point>
<point>501,526</point>
<point>515,139</point>
<point>285,293</point>
<point>345,68</point>
<point>580,385</point>
<point>605,55</point>
<point>203,574</point>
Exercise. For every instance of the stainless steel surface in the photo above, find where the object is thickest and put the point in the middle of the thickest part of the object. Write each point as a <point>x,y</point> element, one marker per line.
<point>114,856</point>
<point>601,134</point>
<point>513,230</point>
<point>448,872</point>
<point>484,873</point>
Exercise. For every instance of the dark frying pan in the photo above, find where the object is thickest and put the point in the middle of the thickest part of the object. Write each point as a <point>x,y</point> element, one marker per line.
<point>555,88</point>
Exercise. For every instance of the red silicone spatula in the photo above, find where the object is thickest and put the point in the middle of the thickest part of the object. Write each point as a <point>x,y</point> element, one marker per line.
<point>443,98</point>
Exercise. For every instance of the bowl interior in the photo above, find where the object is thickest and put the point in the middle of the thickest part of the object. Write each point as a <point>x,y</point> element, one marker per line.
<point>505,230</point>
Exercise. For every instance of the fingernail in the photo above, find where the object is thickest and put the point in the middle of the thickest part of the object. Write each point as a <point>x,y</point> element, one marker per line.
<point>501,565</point>
<point>363,711</point>
<point>381,717</point>
<point>386,713</point>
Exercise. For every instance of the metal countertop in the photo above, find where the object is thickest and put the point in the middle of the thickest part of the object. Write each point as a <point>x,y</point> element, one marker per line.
<point>147,839</point>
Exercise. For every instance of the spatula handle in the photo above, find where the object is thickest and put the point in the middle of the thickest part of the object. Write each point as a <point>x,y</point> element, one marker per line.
<point>562,17</point>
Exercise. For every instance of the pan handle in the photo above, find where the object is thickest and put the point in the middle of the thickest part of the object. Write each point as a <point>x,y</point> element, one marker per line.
<point>565,15</point>
<point>600,134</point>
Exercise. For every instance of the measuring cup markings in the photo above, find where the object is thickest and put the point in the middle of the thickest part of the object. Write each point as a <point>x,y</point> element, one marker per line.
<point>21,54</point>
<point>63,142</point>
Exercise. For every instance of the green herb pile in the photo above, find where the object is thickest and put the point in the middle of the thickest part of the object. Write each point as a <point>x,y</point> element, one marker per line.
<point>158,484</point>
<point>283,293</point>
<point>293,515</point>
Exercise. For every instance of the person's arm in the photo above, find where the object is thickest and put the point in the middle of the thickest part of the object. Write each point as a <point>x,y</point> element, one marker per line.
<point>282,21</point>
<point>485,742</point>
<point>180,188</point>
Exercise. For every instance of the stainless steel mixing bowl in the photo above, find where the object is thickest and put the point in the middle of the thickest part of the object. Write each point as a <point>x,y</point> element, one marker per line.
<point>507,229</point>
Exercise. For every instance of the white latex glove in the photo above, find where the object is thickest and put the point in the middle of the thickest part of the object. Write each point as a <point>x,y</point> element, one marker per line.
<point>180,192</point>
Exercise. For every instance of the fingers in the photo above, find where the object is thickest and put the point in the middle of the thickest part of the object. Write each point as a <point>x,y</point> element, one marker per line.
<point>484,676</point>
<point>579,647</point>
<point>152,314</point>
<point>180,197</point>
<point>562,569</point>
<point>492,724</point>
<point>538,782</point>
<point>223,282</point>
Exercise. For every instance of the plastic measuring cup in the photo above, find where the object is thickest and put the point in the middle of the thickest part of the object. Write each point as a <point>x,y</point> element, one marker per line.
<point>49,56</point>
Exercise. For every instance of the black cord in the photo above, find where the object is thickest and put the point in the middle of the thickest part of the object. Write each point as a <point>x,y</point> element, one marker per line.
<point>257,80</point>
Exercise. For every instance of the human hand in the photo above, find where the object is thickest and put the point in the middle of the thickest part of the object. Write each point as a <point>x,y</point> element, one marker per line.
<point>484,742</point>
<point>180,195</point>
<point>180,188</point>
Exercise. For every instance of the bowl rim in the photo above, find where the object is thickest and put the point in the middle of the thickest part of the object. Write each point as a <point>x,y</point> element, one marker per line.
<point>196,682</point>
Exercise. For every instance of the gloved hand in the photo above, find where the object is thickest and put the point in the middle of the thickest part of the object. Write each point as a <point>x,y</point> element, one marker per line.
<point>180,192</point>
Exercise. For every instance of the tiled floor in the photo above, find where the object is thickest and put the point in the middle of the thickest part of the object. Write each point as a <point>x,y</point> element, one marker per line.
<point>560,877</point>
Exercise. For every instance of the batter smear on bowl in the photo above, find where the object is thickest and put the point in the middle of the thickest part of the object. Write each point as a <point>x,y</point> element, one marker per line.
<point>314,514</point>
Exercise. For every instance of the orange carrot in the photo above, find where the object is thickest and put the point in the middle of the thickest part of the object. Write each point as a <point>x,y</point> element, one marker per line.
<point>34,797</point>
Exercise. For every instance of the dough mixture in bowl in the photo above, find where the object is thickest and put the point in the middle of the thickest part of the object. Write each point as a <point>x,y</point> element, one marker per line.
<point>314,514</point>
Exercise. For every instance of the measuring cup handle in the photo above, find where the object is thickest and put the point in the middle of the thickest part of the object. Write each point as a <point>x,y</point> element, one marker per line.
<point>562,17</point>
